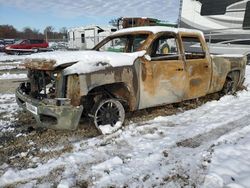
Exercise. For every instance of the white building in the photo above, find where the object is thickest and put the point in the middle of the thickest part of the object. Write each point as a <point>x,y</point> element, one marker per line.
<point>87,37</point>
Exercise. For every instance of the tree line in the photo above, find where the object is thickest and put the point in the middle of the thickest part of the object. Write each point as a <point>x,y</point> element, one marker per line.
<point>10,32</point>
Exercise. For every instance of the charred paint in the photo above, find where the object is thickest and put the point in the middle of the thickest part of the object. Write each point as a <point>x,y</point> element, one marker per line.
<point>162,82</point>
<point>125,75</point>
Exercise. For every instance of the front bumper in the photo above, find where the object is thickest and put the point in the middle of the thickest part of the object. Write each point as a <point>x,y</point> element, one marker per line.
<point>50,114</point>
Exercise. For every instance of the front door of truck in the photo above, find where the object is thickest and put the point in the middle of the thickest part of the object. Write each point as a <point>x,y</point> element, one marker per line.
<point>198,65</point>
<point>163,76</point>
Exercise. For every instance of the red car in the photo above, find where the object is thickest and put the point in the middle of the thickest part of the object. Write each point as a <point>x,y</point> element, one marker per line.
<point>26,46</point>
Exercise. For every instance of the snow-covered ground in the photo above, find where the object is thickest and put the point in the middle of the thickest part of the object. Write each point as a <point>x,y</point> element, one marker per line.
<point>11,62</point>
<point>12,76</point>
<point>8,107</point>
<point>10,58</point>
<point>205,147</point>
<point>7,67</point>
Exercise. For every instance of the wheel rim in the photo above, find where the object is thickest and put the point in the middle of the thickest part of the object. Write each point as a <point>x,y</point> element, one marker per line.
<point>228,88</point>
<point>109,112</point>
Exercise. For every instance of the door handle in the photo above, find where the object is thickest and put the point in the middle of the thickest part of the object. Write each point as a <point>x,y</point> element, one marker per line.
<point>206,66</point>
<point>179,69</point>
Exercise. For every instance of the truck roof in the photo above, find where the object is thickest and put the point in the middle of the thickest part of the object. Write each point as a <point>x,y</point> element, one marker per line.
<point>156,29</point>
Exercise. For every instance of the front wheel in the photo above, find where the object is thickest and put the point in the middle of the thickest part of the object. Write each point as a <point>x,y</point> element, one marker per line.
<point>108,115</point>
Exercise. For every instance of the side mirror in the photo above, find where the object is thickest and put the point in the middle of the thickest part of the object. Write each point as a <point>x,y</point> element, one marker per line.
<point>147,57</point>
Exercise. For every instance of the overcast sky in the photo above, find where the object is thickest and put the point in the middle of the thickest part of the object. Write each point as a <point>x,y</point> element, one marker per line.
<point>70,13</point>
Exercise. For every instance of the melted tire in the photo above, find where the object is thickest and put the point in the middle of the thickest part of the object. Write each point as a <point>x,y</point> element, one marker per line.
<point>108,112</point>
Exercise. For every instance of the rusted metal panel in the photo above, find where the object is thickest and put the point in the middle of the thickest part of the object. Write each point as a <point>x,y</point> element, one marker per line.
<point>221,68</point>
<point>199,77</point>
<point>73,90</point>
<point>126,75</point>
<point>39,64</point>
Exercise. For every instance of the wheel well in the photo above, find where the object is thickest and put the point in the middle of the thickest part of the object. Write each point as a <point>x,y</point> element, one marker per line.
<point>234,76</point>
<point>248,59</point>
<point>116,90</point>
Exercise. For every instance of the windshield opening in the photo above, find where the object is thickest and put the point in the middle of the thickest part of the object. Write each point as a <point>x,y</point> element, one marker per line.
<point>18,42</point>
<point>125,43</point>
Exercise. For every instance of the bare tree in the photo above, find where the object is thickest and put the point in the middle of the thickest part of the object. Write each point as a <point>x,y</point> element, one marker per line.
<point>48,32</point>
<point>115,22</point>
<point>8,31</point>
<point>27,32</point>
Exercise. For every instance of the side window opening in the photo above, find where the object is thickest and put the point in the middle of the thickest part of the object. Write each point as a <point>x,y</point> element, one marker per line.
<point>25,42</point>
<point>165,48</point>
<point>137,41</point>
<point>125,43</point>
<point>193,48</point>
<point>116,45</point>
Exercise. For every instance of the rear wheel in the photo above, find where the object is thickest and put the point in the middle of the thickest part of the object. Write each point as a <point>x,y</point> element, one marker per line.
<point>108,112</point>
<point>16,53</point>
<point>230,86</point>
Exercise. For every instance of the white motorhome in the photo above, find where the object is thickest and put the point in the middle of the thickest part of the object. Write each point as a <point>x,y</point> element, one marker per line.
<point>87,37</point>
<point>222,19</point>
<point>225,23</point>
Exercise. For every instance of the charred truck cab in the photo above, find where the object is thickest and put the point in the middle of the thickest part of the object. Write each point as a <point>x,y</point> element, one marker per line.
<point>132,69</point>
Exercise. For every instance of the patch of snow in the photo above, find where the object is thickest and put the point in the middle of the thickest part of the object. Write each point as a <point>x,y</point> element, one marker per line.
<point>7,58</point>
<point>229,55</point>
<point>13,63</point>
<point>230,165</point>
<point>157,29</point>
<point>108,164</point>
<point>20,134</point>
<point>64,184</point>
<point>108,129</point>
<point>8,67</point>
<point>8,76</point>
<point>8,108</point>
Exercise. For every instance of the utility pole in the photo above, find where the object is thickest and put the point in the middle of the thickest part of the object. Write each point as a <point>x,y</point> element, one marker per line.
<point>180,11</point>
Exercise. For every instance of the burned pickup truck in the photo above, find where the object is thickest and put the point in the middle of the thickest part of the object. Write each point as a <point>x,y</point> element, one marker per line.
<point>132,69</point>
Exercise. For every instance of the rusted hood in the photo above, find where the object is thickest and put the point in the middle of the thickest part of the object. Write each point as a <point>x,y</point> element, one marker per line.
<point>80,61</point>
<point>39,64</point>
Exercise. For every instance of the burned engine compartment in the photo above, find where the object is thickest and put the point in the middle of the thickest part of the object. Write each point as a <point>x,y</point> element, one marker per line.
<point>41,84</point>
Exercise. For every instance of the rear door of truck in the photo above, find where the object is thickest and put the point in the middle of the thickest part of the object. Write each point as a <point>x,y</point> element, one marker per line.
<point>197,64</point>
